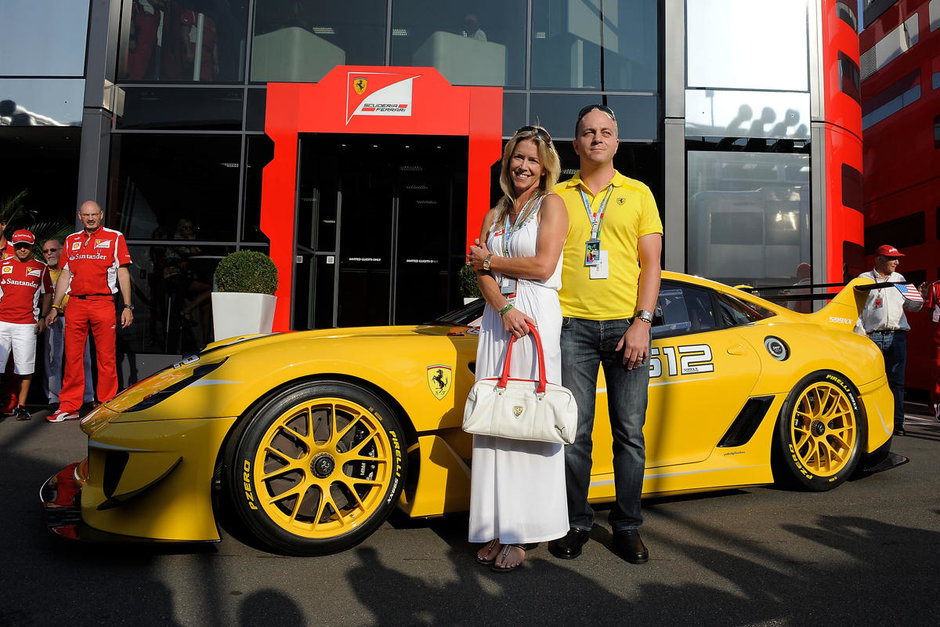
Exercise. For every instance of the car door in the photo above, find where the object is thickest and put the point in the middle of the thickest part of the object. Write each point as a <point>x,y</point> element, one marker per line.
<point>701,373</point>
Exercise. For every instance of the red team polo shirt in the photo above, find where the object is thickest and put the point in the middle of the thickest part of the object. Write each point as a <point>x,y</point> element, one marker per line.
<point>93,261</point>
<point>21,284</point>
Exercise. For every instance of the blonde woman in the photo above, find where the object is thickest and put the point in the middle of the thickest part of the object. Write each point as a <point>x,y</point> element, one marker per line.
<point>518,487</point>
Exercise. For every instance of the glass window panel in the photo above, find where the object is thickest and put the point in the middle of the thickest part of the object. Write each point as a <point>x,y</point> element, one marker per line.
<point>162,179</point>
<point>637,117</point>
<point>738,44</point>
<point>183,108</point>
<point>682,310</point>
<point>595,44</point>
<point>849,81</point>
<point>748,216</point>
<point>513,113</point>
<point>172,297</point>
<point>302,41</point>
<point>29,160</point>
<point>905,232</point>
<point>254,112</point>
<point>478,44</point>
<point>723,113</point>
<point>847,14</point>
<point>41,101</point>
<point>260,151</point>
<point>183,40</point>
<point>43,40</point>
<point>852,196</point>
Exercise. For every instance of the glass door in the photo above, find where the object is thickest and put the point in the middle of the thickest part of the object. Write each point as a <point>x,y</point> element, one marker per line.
<point>380,229</point>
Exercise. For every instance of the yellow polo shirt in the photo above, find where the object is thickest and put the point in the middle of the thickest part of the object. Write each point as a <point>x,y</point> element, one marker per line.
<point>631,213</point>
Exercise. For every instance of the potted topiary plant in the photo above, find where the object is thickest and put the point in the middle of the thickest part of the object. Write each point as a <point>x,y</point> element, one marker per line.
<point>243,299</point>
<point>469,288</point>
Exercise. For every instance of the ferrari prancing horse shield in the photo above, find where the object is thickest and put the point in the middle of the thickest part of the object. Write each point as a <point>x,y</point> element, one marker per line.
<point>360,84</point>
<point>439,380</point>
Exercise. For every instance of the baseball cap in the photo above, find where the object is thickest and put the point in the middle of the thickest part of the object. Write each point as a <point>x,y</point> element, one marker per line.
<point>23,236</point>
<point>885,250</point>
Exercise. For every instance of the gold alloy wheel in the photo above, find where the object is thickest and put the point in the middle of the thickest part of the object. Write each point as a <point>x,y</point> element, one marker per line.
<point>824,429</point>
<point>323,467</point>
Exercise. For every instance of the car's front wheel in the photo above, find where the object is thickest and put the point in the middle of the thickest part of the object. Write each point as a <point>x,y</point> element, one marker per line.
<point>820,432</point>
<point>316,468</point>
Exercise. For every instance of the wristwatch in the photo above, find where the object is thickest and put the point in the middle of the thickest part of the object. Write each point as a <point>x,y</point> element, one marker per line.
<point>486,262</point>
<point>644,315</point>
<point>131,307</point>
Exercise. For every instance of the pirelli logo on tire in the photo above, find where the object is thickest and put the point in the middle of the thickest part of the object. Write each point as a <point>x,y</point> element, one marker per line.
<point>246,479</point>
<point>396,479</point>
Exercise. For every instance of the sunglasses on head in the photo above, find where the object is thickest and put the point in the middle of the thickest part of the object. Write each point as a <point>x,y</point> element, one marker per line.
<point>599,107</point>
<point>540,132</point>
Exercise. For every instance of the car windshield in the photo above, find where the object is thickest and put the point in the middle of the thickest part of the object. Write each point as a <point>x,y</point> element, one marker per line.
<point>463,317</point>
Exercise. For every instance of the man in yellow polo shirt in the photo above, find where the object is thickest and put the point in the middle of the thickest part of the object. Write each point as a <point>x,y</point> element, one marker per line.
<point>610,283</point>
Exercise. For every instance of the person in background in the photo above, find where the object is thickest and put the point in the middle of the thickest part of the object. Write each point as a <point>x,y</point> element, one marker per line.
<point>883,320</point>
<point>471,27</point>
<point>24,282</point>
<point>54,338</point>
<point>804,277</point>
<point>931,294</point>
<point>9,390</point>
<point>609,288</point>
<point>96,261</point>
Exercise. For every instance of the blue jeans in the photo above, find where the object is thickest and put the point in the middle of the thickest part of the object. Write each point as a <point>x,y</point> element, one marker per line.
<point>586,344</point>
<point>893,345</point>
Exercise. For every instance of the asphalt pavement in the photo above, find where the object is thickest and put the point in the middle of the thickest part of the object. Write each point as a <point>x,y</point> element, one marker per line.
<point>866,553</point>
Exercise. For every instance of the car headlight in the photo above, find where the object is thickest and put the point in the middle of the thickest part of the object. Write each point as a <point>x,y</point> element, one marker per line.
<point>161,395</point>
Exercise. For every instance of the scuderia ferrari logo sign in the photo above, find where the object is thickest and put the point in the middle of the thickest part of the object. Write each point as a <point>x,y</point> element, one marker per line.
<point>378,93</point>
<point>439,380</point>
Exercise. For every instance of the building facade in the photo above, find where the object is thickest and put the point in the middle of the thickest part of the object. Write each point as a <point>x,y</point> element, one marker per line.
<point>900,69</point>
<point>743,117</point>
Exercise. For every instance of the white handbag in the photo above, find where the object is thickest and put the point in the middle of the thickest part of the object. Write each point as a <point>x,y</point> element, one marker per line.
<point>522,409</point>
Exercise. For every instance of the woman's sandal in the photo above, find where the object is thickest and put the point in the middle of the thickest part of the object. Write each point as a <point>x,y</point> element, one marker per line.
<point>504,555</point>
<point>487,555</point>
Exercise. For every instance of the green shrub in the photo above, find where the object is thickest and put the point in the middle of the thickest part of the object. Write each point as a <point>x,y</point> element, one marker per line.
<point>246,271</point>
<point>468,282</point>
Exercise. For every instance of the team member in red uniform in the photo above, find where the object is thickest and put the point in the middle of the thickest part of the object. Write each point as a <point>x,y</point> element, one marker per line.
<point>94,264</point>
<point>23,282</point>
<point>8,398</point>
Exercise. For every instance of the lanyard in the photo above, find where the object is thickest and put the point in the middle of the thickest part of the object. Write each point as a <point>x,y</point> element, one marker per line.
<point>596,218</point>
<point>520,220</point>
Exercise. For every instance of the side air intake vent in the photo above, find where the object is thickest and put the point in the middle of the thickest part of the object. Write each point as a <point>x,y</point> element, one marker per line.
<point>747,421</point>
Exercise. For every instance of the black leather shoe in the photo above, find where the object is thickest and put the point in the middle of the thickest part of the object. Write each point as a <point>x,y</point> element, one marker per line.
<point>629,545</point>
<point>570,546</point>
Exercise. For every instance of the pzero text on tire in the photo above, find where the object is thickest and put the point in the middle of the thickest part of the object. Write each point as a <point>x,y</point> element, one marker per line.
<point>820,431</point>
<point>316,468</point>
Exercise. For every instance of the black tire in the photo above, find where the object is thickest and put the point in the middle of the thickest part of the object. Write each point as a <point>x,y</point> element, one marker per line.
<point>316,468</point>
<point>820,431</point>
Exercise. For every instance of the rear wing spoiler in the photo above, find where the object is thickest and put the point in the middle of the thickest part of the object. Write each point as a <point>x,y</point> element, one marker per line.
<point>846,306</point>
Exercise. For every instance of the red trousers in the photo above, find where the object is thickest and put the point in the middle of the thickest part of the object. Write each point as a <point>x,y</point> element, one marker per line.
<point>99,317</point>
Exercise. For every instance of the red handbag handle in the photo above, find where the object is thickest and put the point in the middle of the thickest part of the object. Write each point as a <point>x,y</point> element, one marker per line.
<point>540,357</point>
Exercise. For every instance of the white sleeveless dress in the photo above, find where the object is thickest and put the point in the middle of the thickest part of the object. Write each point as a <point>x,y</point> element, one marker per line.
<point>517,491</point>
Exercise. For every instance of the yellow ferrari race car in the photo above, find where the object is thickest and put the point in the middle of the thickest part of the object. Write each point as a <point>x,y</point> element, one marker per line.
<point>311,439</point>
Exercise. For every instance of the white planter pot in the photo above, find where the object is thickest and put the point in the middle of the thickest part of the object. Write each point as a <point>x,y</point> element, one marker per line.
<point>237,313</point>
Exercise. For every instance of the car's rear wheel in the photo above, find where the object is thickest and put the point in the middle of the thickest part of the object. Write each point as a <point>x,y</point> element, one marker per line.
<point>820,432</point>
<point>316,468</point>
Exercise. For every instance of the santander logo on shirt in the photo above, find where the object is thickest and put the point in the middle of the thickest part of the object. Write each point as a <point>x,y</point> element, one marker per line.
<point>21,285</point>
